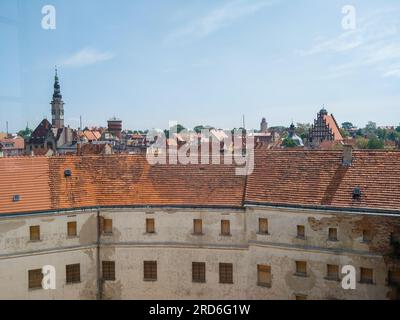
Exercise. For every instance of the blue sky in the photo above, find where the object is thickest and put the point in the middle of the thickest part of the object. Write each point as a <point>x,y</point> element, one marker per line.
<point>200,62</point>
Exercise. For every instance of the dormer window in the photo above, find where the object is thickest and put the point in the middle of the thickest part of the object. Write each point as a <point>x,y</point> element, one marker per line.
<point>357,193</point>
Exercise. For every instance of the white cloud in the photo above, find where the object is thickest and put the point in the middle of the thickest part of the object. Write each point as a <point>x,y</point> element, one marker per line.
<point>220,17</point>
<point>87,56</point>
<point>375,43</point>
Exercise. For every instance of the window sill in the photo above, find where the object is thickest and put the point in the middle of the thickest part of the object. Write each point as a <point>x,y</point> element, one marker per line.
<point>150,280</point>
<point>197,234</point>
<point>264,285</point>
<point>332,279</point>
<point>333,240</point>
<point>302,275</point>
<point>301,238</point>
<point>34,241</point>
<point>35,289</point>
<point>226,283</point>
<point>72,237</point>
<point>107,234</point>
<point>72,283</point>
<point>200,282</point>
<point>149,233</point>
<point>263,233</point>
<point>366,282</point>
<point>225,235</point>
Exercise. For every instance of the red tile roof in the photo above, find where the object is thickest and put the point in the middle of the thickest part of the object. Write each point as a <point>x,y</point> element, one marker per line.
<point>331,122</point>
<point>317,178</point>
<point>288,177</point>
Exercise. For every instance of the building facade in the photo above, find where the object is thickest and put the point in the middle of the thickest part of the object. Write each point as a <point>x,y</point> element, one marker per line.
<point>115,227</point>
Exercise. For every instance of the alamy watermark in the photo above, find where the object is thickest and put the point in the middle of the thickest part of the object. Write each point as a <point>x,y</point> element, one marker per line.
<point>49,20</point>
<point>234,147</point>
<point>349,21</point>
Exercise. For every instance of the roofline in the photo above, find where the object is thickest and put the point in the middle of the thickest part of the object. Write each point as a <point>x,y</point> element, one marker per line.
<point>92,208</point>
<point>322,208</point>
<point>216,207</point>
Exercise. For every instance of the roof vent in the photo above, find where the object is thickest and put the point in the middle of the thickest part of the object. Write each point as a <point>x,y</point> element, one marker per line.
<point>356,193</point>
<point>16,197</point>
<point>67,173</point>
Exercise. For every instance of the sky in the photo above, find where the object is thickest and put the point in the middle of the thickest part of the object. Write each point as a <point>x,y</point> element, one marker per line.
<point>200,62</point>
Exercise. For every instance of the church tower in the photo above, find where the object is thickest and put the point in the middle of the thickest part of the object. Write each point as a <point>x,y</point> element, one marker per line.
<point>57,105</point>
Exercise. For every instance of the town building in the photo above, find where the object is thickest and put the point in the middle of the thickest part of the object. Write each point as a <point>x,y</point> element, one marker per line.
<point>52,138</point>
<point>116,227</point>
<point>12,146</point>
<point>325,128</point>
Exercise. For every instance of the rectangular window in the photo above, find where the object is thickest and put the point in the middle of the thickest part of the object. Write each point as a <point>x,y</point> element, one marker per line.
<point>394,277</point>
<point>395,238</point>
<point>71,229</point>
<point>301,268</point>
<point>367,236</point>
<point>263,226</point>
<point>150,270</point>
<point>35,278</point>
<point>332,234</point>
<point>366,275</point>
<point>198,226</point>
<point>150,226</point>
<point>107,226</point>
<point>332,272</point>
<point>225,273</point>
<point>198,271</point>
<point>34,232</point>
<point>264,275</point>
<point>300,297</point>
<point>108,270</point>
<point>301,234</point>
<point>73,272</point>
<point>225,227</point>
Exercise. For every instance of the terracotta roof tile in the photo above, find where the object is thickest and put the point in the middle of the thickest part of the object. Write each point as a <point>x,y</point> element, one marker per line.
<point>317,178</point>
<point>288,177</point>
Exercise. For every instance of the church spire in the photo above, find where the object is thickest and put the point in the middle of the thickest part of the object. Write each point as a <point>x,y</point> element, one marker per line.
<point>57,88</point>
<point>57,105</point>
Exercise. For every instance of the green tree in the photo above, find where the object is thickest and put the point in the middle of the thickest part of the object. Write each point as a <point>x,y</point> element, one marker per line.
<point>347,126</point>
<point>361,143</point>
<point>375,143</point>
<point>288,143</point>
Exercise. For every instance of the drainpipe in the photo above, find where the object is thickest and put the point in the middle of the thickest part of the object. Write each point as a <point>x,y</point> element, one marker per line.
<point>99,295</point>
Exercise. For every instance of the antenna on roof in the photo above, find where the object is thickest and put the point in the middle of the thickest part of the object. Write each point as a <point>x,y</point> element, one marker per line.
<point>244,122</point>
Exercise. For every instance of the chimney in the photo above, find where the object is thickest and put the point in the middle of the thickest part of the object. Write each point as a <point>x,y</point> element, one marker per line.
<point>78,149</point>
<point>347,155</point>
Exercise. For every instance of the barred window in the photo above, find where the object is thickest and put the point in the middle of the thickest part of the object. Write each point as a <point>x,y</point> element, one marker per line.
<point>332,272</point>
<point>107,226</point>
<point>150,270</point>
<point>73,272</point>
<point>108,270</point>
<point>71,229</point>
<point>332,234</point>
<point>150,226</point>
<point>34,233</point>
<point>264,275</point>
<point>198,271</point>
<point>301,268</point>
<point>301,233</point>
<point>198,226</point>
<point>366,275</point>
<point>263,225</point>
<point>225,227</point>
<point>35,278</point>
<point>225,273</point>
